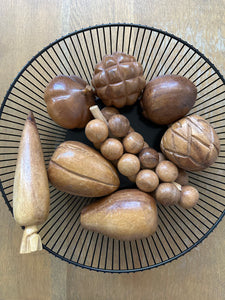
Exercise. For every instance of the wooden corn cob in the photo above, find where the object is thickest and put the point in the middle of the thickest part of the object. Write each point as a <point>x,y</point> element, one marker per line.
<point>31,197</point>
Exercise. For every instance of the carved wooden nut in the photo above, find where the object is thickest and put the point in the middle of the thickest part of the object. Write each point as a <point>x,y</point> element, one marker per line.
<point>191,143</point>
<point>118,79</point>
<point>78,169</point>
<point>125,215</point>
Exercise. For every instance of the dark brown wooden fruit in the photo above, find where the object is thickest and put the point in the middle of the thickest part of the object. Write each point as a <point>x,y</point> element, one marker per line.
<point>68,100</point>
<point>118,125</point>
<point>168,98</point>
<point>149,158</point>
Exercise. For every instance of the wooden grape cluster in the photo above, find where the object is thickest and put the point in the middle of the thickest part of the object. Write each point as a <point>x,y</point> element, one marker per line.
<point>111,133</point>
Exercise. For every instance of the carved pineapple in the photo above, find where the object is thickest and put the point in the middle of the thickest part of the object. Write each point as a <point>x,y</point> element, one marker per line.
<point>191,143</point>
<point>118,79</point>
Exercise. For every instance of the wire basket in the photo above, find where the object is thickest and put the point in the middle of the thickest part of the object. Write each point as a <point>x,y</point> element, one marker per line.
<point>77,53</point>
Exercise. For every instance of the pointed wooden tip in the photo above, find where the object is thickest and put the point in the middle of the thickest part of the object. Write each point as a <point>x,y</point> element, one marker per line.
<point>30,117</point>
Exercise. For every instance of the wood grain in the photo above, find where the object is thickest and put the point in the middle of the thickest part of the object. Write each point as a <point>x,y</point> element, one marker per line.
<point>28,26</point>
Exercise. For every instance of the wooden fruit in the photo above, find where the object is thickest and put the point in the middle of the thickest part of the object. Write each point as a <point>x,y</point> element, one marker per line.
<point>80,170</point>
<point>125,215</point>
<point>189,196</point>
<point>133,142</point>
<point>168,98</point>
<point>191,143</point>
<point>119,125</point>
<point>68,99</point>
<point>109,111</point>
<point>167,171</point>
<point>96,131</point>
<point>31,195</point>
<point>147,180</point>
<point>118,79</point>
<point>128,165</point>
<point>167,194</point>
<point>149,158</point>
<point>112,149</point>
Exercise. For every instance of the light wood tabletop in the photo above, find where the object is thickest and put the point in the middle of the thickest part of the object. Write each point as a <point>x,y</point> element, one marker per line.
<point>26,27</point>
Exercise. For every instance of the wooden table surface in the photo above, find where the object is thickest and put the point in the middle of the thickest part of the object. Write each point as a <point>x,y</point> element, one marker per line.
<point>26,27</point>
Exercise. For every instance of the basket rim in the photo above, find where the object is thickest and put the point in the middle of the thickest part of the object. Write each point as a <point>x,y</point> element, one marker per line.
<point>75,32</point>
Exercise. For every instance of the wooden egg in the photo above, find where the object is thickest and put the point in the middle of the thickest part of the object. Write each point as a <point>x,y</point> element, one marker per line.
<point>168,98</point>
<point>78,169</point>
<point>124,215</point>
<point>191,143</point>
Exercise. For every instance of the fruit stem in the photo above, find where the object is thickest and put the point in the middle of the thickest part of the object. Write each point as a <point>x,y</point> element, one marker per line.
<point>97,114</point>
<point>178,186</point>
<point>31,241</point>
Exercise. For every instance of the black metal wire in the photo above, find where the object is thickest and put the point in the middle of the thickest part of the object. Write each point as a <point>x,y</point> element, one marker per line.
<point>160,53</point>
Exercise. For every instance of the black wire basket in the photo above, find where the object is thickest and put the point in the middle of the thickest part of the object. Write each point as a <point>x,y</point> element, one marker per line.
<point>77,53</point>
